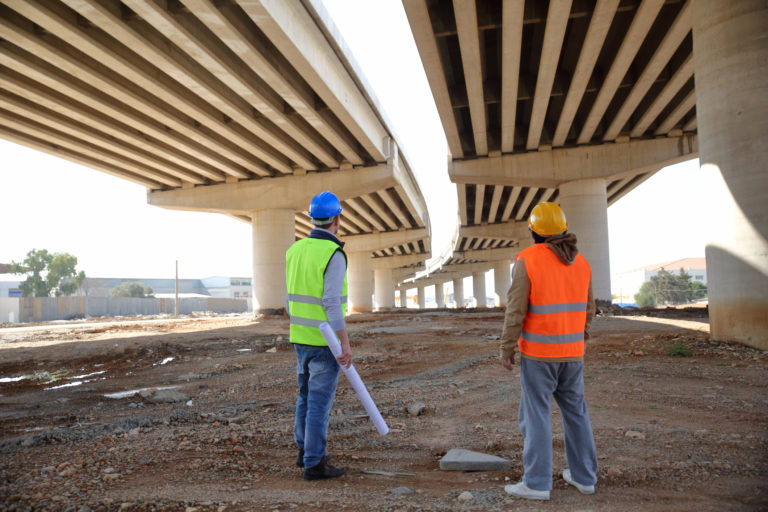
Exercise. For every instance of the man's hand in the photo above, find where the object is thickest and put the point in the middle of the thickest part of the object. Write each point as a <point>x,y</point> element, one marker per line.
<point>508,362</point>
<point>345,359</point>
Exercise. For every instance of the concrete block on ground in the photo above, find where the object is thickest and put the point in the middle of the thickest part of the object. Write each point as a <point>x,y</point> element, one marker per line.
<point>458,459</point>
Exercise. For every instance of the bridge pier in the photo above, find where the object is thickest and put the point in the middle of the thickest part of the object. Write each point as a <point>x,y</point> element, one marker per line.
<point>458,292</point>
<point>439,295</point>
<point>478,289</point>
<point>384,288</point>
<point>502,278</point>
<point>273,233</point>
<point>360,277</point>
<point>586,207</point>
<point>731,86</point>
<point>422,298</point>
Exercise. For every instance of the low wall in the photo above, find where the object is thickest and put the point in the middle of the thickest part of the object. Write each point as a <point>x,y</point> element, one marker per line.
<point>9,310</point>
<point>43,309</point>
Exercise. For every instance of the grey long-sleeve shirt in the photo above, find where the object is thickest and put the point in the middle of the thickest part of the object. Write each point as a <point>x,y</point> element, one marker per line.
<point>332,288</point>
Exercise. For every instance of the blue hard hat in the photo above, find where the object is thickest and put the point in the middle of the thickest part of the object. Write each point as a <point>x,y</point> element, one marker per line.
<point>324,206</point>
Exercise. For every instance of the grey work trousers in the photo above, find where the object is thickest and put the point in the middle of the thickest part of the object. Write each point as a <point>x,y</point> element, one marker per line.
<point>540,381</point>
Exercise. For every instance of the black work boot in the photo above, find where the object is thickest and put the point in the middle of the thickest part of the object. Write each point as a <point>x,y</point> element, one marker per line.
<point>323,470</point>
<point>300,458</point>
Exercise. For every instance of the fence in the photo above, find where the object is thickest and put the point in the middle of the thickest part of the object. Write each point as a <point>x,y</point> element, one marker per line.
<point>43,309</point>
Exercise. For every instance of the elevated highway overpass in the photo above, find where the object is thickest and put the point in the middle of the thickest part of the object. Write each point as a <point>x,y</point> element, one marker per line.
<point>249,107</point>
<point>578,102</point>
<point>242,108</point>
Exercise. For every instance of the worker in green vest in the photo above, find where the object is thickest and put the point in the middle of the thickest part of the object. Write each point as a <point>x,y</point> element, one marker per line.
<point>316,279</point>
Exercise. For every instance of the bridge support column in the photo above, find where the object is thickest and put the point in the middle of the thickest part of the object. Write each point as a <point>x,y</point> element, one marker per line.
<point>585,205</point>
<point>439,295</point>
<point>273,234</point>
<point>403,298</point>
<point>458,292</point>
<point>360,279</point>
<point>478,288</point>
<point>501,280</point>
<point>732,116</point>
<point>384,288</point>
<point>422,298</point>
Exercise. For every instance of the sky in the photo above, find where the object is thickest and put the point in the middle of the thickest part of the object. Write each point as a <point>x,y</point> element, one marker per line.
<point>53,204</point>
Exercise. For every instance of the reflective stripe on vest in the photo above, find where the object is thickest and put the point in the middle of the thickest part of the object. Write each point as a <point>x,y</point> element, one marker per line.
<point>553,328</point>
<point>305,264</point>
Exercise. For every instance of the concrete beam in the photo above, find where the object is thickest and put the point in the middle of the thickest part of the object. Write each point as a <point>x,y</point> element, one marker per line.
<point>469,47</point>
<point>670,90</point>
<point>297,36</point>
<point>418,19</point>
<point>551,168</point>
<point>641,24</point>
<point>511,46</point>
<point>378,241</point>
<point>234,32</point>
<point>506,253</point>
<point>672,40</point>
<point>557,19</point>
<point>590,50</point>
<point>397,261</point>
<point>503,231</point>
<point>283,192</point>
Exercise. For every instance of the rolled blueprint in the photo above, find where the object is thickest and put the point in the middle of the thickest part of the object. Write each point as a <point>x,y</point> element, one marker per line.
<point>355,380</point>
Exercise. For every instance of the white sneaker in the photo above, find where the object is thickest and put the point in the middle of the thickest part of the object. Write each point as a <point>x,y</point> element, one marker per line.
<point>523,491</point>
<point>583,489</point>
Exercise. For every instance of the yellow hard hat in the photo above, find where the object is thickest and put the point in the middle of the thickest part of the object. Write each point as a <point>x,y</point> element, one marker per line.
<point>547,219</point>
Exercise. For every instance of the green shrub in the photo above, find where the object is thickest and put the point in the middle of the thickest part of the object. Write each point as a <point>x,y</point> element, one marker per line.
<point>679,350</point>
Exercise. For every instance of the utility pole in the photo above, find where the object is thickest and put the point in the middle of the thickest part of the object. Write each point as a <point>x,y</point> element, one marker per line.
<point>176,290</point>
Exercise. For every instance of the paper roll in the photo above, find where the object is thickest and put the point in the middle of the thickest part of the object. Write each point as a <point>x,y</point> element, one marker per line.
<point>355,380</point>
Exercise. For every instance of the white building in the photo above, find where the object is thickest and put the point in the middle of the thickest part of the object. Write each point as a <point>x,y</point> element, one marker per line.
<point>626,284</point>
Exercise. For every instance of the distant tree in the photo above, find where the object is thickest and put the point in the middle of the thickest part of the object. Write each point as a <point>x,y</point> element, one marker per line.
<point>669,288</point>
<point>698,290</point>
<point>646,297</point>
<point>131,289</point>
<point>48,273</point>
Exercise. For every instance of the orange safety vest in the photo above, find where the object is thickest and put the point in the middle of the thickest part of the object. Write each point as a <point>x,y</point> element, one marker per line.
<point>557,305</point>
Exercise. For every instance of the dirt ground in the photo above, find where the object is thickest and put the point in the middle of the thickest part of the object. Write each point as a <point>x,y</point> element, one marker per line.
<point>672,432</point>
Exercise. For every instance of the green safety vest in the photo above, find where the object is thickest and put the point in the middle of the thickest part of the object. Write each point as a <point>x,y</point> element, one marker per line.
<point>305,264</point>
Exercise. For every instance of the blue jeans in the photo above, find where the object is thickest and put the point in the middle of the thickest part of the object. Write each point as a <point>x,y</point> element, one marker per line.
<point>318,374</point>
<point>541,381</point>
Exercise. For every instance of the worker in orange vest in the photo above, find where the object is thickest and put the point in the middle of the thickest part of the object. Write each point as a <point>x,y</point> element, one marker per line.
<point>549,310</point>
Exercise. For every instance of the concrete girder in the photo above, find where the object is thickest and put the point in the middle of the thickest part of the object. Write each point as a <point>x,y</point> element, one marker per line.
<point>667,94</point>
<point>194,143</point>
<point>551,168</point>
<point>504,253</point>
<point>590,50</point>
<point>680,28</point>
<point>418,18</point>
<point>238,77</point>
<point>377,241</point>
<point>557,19</point>
<point>82,144</point>
<point>270,143</point>
<point>511,46</point>
<point>469,45</point>
<point>292,191</point>
<point>398,261</point>
<point>55,150</point>
<point>677,114</point>
<point>63,23</point>
<point>293,31</point>
<point>232,30</point>
<point>641,24</point>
